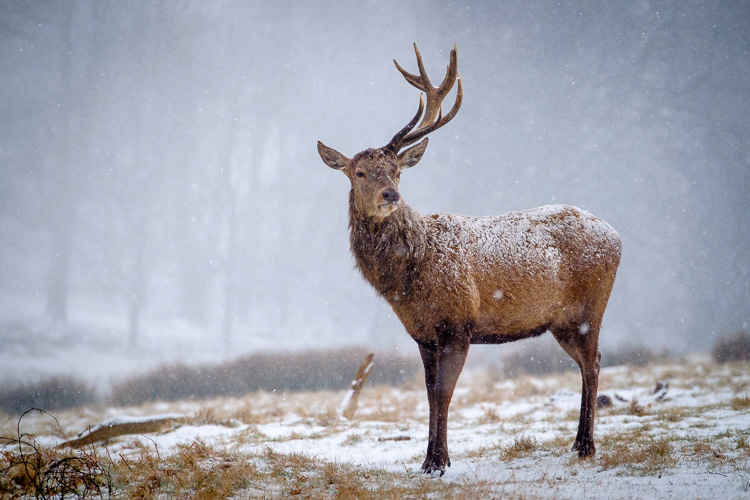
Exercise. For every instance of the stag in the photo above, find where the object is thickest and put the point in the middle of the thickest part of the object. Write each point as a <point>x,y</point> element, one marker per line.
<point>454,280</point>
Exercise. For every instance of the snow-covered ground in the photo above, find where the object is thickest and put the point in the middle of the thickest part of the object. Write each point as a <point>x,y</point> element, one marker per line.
<point>688,439</point>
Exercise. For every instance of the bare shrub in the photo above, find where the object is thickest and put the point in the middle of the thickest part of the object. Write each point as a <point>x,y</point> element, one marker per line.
<point>51,394</point>
<point>735,347</point>
<point>300,371</point>
<point>31,469</point>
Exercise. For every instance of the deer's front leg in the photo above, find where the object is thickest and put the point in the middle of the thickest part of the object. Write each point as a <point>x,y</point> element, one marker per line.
<point>443,364</point>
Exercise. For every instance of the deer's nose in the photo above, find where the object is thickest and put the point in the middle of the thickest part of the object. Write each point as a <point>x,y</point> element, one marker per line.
<point>390,195</point>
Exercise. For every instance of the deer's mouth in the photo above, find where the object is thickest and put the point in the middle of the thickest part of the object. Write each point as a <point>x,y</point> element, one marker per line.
<point>388,205</point>
<point>387,208</point>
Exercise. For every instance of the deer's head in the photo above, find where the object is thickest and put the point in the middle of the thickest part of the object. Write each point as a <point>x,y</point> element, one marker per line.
<point>375,173</point>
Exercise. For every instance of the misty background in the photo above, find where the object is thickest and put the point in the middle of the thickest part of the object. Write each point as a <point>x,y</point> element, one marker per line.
<point>161,196</point>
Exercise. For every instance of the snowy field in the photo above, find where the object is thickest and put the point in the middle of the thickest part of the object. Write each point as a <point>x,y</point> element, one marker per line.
<point>687,438</point>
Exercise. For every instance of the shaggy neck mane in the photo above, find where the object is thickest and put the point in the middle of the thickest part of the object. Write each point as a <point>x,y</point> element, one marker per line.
<point>388,252</point>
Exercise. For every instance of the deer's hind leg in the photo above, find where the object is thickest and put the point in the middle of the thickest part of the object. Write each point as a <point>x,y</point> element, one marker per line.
<point>581,342</point>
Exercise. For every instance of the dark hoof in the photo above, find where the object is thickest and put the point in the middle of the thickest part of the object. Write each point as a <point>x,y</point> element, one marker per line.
<point>584,448</point>
<point>435,464</point>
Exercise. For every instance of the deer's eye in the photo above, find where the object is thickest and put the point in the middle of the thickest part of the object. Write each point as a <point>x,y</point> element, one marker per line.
<point>360,174</point>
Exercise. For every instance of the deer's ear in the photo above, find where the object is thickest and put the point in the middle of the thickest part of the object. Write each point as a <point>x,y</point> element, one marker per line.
<point>411,156</point>
<point>332,158</point>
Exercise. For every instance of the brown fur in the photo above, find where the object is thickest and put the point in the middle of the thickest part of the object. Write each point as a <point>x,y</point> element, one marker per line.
<point>454,281</point>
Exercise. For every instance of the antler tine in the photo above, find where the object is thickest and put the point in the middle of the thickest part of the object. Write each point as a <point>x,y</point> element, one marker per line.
<point>450,73</point>
<point>439,122</point>
<point>433,117</point>
<point>395,143</point>
<point>435,95</point>
<point>413,79</point>
<point>422,73</point>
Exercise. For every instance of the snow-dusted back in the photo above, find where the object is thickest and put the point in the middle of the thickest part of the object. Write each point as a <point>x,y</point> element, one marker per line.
<point>527,240</point>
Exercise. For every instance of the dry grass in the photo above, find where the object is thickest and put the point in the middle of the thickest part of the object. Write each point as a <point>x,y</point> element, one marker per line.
<point>740,403</point>
<point>720,449</point>
<point>742,444</point>
<point>352,439</point>
<point>198,471</point>
<point>639,452</point>
<point>635,408</point>
<point>31,469</point>
<point>559,445</point>
<point>201,470</point>
<point>194,470</point>
<point>632,408</point>
<point>489,416</point>
<point>700,448</point>
<point>675,414</point>
<point>521,447</point>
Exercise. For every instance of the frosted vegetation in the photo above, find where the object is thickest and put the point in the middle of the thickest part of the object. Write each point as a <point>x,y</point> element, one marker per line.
<point>672,429</point>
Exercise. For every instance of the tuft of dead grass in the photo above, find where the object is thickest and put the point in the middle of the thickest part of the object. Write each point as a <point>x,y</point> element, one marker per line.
<point>194,470</point>
<point>521,447</point>
<point>639,452</point>
<point>742,444</point>
<point>489,416</point>
<point>675,414</point>
<point>740,403</point>
<point>31,469</point>
<point>633,408</point>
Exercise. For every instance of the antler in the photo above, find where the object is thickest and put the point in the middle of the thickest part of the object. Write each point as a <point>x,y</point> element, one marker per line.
<point>433,118</point>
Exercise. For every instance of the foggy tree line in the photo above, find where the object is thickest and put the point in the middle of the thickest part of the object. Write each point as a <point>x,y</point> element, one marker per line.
<point>117,191</point>
<point>158,157</point>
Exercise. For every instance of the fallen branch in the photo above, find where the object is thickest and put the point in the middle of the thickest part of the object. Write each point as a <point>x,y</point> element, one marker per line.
<point>395,438</point>
<point>123,426</point>
<point>349,404</point>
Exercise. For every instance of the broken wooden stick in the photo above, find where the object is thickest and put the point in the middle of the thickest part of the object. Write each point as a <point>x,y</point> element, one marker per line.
<point>394,438</point>
<point>122,426</point>
<point>349,404</point>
